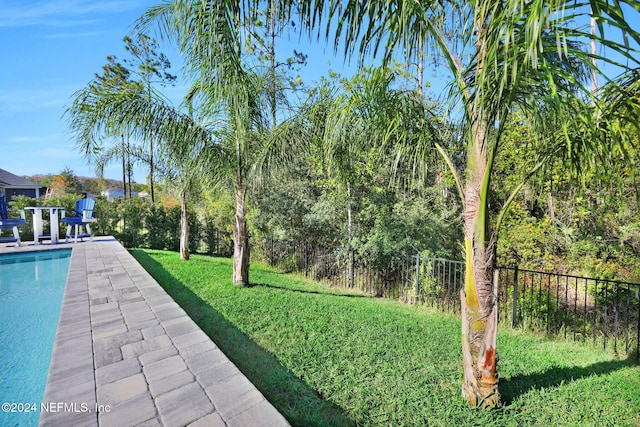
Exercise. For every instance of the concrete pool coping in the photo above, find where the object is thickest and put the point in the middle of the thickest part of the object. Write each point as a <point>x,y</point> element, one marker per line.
<point>125,353</point>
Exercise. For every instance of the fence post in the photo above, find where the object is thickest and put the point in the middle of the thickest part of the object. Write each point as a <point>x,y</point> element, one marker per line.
<point>514,314</point>
<point>417,279</point>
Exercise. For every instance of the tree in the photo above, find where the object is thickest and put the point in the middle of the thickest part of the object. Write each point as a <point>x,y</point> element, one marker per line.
<point>115,78</point>
<point>503,57</point>
<point>64,183</point>
<point>261,42</point>
<point>151,67</point>
<point>236,109</point>
<point>352,126</point>
<point>212,36</point>
<point>186,151</point>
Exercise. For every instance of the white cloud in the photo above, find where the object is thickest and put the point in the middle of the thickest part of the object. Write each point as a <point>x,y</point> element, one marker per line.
<point>59,152</point>
<point>61,13</point>
<point>20,100</point>
<point>24,139</point>
<point>79,35</point>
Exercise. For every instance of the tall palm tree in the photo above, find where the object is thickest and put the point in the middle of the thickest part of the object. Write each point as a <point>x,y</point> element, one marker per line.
<point>211,35</point>
<point>237,106</point>
<point>188,151</point>
<point>503,56</point>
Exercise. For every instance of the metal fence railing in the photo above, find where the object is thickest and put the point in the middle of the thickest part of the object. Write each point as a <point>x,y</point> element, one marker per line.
<point>605,312</point>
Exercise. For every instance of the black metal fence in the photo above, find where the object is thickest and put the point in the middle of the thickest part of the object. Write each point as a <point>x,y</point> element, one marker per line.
<point>339,267</point>
<point>604,312</point>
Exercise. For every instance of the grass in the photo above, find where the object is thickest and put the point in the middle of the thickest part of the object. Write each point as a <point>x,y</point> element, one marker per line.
<point>326,356</point>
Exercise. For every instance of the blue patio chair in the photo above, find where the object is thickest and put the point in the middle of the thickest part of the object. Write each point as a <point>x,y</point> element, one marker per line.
<point>10,223</point>
<point>83,216</point>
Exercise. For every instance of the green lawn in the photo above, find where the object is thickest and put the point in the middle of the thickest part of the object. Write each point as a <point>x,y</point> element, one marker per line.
<point>326,356</point>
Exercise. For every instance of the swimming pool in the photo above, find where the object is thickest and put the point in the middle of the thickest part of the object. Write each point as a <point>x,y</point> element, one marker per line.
<point>31,289</point>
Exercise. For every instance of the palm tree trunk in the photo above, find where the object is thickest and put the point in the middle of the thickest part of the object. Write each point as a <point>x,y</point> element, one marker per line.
<point>124,169</point>
<point>479,327</point>
<point>240,238</point>
<point>594,51</point>
<point>151,190</point>
<point>184,228</point>
<point>479,296</point>
<point>421,69</point>
<point>129,173</point>
<point>350,262</point>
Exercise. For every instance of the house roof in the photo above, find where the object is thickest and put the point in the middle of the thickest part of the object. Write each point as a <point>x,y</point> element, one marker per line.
<point>7,179</point>
<point>114,192</point>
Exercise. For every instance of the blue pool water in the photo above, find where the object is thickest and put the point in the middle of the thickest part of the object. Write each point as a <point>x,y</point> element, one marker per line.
<point>31,289</point>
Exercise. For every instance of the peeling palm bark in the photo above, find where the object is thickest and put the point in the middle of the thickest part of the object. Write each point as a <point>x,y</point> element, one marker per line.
<point>479,297</point>
<point>479,330</point>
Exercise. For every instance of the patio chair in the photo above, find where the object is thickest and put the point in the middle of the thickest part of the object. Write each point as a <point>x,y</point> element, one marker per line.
<point>10,223</point>
<point>83,216</point>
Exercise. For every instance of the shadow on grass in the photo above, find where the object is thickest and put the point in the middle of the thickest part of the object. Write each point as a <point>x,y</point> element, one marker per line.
<point>305,291</point>
<point>513,388</point>
<point>298,402</point>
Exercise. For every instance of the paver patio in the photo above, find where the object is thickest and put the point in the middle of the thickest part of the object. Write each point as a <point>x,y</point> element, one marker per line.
<point>126,354</point>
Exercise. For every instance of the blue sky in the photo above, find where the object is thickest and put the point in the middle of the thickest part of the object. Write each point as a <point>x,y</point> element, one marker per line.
<point>50,49</point>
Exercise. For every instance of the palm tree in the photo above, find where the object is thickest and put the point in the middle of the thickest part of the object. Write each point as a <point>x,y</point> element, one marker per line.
<point>188,151</point>
<point>237,107</point>
<point>211,36</point>
<point>503,57</point>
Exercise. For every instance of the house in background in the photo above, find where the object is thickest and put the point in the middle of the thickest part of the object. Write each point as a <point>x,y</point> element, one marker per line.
<point>115,192</point>
<point>13,185</point>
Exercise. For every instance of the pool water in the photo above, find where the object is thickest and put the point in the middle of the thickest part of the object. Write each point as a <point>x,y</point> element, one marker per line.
<point>31,289</point>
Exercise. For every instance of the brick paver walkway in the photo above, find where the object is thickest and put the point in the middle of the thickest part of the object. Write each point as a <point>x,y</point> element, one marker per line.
<point>127,354</point>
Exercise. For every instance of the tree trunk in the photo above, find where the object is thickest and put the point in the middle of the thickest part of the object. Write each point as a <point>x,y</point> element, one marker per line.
<point>594,52</point>
<point>479,296</point>
<point>151,159</point>
<point>124,169</point>
<point>479,328</point>
<point>240,239</point>
<point>151,189</point>
<point>273,11</point>
<point>350,261</point>
<point>184,228</point>
<point>421,69</point>
<point>129,173</point>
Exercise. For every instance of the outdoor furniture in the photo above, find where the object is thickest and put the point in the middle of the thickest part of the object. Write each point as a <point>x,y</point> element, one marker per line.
<point>10,223</point>
<point>82,218</point>
<point>38,223</point>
